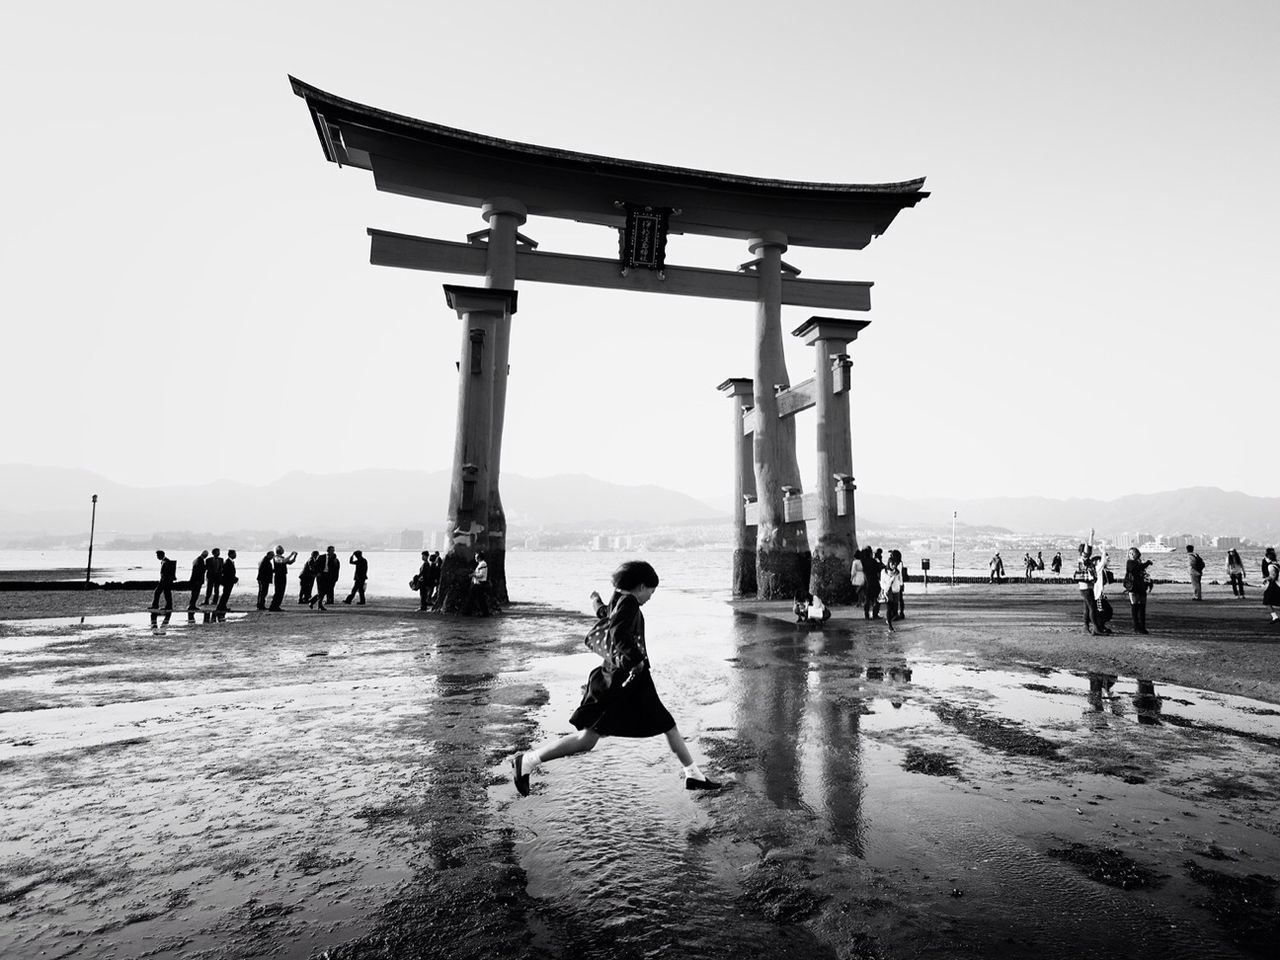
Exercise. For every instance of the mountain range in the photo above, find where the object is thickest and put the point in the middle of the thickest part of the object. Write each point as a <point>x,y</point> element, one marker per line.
<point>55,500</point>
<point>38,500</point>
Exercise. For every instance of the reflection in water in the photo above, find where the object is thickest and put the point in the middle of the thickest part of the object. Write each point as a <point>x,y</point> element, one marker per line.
<point>784,710</point>
<point>1100,685</point>
<point>1147,702</point>
<point>839,734</point>
<point>771,710</point>
<point>159,624</point>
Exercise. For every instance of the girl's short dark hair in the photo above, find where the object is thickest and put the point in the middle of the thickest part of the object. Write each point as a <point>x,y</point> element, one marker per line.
<point>633,574</point>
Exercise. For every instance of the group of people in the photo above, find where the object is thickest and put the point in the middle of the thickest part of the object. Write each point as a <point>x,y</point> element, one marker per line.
<point>1093,577</point>
<point>1030,565</point>
<point>429,585</point>
<point>879,583</point>
<point>316,580</point>
<point>212,573</point>
<point>216,575</point>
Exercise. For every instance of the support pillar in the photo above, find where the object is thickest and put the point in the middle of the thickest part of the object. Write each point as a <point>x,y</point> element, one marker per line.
<point>782,548</point>
<point>744,489</point>
<point>837,537</point>
<point>480,310</point>
<point>504,216</point>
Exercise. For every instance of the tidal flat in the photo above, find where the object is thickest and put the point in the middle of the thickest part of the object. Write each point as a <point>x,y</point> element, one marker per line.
<point>984,782</point>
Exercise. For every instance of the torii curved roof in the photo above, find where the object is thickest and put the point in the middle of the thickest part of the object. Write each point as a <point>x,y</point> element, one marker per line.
<point>421,159</point>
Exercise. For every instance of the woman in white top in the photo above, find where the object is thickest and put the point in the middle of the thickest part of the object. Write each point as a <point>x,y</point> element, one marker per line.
<point>891,584</point>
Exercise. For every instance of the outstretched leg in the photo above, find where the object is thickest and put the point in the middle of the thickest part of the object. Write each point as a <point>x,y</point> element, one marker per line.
<point>523,764</point>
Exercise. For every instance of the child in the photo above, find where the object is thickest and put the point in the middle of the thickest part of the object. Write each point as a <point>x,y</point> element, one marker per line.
<point>620,699</point>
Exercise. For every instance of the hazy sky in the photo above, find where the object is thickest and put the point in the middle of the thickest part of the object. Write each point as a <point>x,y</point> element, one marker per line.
<point>1084,307</point>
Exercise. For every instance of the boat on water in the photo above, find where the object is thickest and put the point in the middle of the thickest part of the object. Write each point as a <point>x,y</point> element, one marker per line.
<point>1152,547</point>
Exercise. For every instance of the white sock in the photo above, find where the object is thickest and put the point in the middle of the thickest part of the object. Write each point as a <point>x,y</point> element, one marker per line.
<point>691,772</point>
<point>529,762</point>
<point>1274,615</point>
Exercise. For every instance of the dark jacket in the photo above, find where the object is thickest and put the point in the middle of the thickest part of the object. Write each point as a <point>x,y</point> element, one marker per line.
<point>1135,576</point>
<point>362,569</point>
<point>264,568</point>
<point>197,571</point>
<point>229,572</point>
<point>168,571</point>
<point>625,634</point>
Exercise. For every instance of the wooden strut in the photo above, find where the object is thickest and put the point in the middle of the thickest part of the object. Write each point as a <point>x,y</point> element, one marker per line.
<point>469,259</point>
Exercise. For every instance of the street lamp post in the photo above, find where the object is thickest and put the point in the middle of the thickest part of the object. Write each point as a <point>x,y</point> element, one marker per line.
<point>93,518</point>
<point>953,548</point>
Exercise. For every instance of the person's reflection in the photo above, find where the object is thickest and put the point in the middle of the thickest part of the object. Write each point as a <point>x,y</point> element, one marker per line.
<point>1147,703</point>
<point>159,622</point>
<point>191,617</point>
<point>771,704</point>
<point>1100,685</point>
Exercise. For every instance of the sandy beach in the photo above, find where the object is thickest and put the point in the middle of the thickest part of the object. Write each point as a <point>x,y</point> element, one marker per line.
<point>986,781</point>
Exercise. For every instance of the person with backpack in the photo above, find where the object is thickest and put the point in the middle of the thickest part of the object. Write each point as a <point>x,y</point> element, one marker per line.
<point>1195,567</point>
<point>619,699</point>
<point>168,576</point>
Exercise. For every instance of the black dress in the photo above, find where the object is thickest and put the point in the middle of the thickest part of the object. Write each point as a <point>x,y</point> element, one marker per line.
<point>608,708</point>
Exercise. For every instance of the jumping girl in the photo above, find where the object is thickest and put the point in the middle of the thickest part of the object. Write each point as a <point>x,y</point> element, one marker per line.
<point>620,699</point>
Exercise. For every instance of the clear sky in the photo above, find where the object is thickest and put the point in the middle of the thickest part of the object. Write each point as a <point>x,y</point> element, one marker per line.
<point>1084,307</point>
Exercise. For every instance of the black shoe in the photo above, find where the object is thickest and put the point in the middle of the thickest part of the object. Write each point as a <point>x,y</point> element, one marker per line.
<point>692,783</point>
<point>1141,630</point>
<point>1105,631</point>
<point>261,607</point>
<point>360,604</point>
<point>518,776</point>
<point>347,601</point>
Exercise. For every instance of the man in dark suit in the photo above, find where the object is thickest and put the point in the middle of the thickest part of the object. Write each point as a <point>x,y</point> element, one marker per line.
<point>264,579</point>
<point>326,575</point>
<point>168,575</point>
<point>213,572</point>
<point>229,579</point>
<point>334,565</point>
<point>197,579</point>
<point>361,577</point>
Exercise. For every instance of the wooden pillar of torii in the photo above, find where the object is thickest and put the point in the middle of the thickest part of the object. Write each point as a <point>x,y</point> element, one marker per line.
<point>644,202</point>
<point>831,504</point>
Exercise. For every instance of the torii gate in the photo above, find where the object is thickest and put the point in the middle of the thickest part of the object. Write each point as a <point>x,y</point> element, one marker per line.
<point>509,181</point>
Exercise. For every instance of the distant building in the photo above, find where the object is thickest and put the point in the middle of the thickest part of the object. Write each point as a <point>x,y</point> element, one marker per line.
<point>1228,543</point>
<point>411,540</point>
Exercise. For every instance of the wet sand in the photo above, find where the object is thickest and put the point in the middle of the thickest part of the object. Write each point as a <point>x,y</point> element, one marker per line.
<point>986,781</point>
